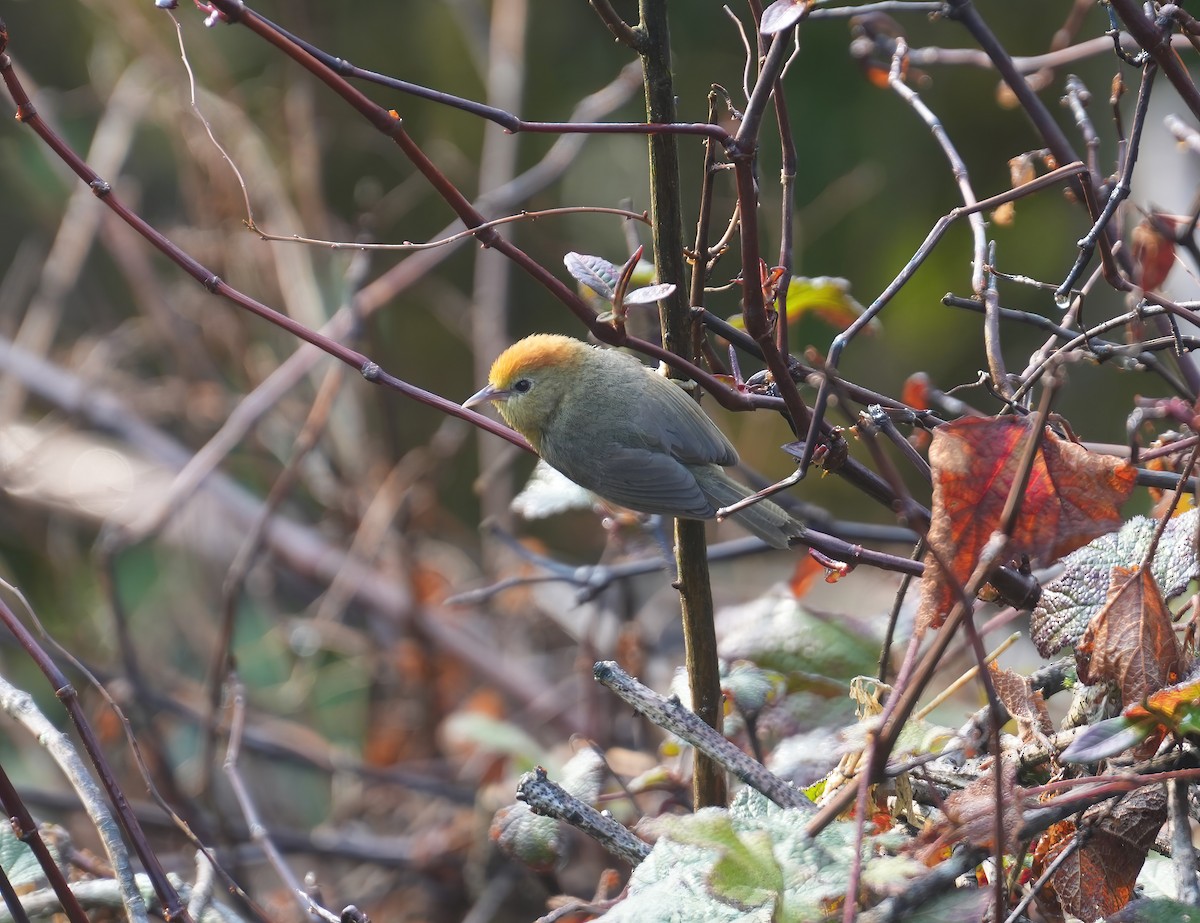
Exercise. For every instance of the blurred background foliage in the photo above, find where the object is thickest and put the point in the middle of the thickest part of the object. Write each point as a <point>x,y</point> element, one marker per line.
<point>116,317</point>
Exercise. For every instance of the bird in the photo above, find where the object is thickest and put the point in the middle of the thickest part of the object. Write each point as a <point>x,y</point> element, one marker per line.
<point>622,431</point>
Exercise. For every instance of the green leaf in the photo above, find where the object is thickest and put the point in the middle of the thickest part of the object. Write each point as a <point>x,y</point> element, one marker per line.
<point>535,840</point>
<point>583,774</point>
<point>1070,600</point>
<point>751,687</point>
<point>748,877</point>
<point>595,272</point>
<point>782,14</point>
<point>825,297</point>
<point>1156,911</point>
<point>649,293</point>
<point>777,633</point>
<point>492,735</point>
<point>1107,738</point>
<point>1189,722</point>
<point>753,862</point>
<point>19,862</point>
<point>745,873</point>
<point>531,839</point>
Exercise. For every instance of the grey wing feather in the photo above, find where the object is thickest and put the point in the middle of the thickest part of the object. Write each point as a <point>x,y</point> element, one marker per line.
<point>645,465</point>
<point>690,435</point>
<point>640,479</point>
<point>680,428</point>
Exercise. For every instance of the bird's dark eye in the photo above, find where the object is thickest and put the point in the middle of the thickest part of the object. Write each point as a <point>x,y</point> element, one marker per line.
<point>522,385</point>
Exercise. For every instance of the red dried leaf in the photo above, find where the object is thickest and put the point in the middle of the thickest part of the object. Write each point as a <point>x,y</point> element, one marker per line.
<point>1098,878</point>
<point>916,395</point>
<point>1153,252</point>
<point>1072,497</point>
<point>1131,641</point>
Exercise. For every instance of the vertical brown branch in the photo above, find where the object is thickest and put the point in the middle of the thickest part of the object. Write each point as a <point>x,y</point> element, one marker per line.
<point>691,549</point>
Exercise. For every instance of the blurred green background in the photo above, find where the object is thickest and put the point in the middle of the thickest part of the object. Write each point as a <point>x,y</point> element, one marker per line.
<point>871,182</point>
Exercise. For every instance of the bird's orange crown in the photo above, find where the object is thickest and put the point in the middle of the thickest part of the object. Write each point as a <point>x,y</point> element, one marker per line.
<point>542,350</point>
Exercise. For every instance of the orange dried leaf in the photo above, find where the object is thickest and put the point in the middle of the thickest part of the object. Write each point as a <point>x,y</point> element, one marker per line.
<point>1131,641</point>
<point>1005,215</point>
<point>916,391</point>
<point>1098,878</point>
<point>1043,851</point>
<point>804,574</point>
<point>1167,704</point>
<point>1162,498</point>
<point>1022,169</point>
<point>1152,251</point>
<point>1072,496</point>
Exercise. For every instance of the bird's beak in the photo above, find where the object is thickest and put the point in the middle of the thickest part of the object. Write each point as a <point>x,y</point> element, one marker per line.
<point>484,395</point>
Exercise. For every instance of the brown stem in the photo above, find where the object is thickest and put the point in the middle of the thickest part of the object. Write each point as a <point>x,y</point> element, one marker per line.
<point>1157,42</point>
<point>174,910</point>
<point>691,548</point>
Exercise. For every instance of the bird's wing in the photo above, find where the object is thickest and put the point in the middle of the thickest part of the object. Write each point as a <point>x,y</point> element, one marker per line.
<point>688,434</point>
<point>641,479</point>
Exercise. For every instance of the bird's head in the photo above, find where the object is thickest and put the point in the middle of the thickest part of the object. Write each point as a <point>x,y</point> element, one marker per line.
<point>529,380</point>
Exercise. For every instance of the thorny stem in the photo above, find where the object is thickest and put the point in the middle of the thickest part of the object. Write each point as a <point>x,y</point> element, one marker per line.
<point>787,194</point>
<point>26,830</point>
<point>622,31</point>
<point>1100,348</point>
<point>1077,97</point>
<point>259,832</point>
<point>701,254</point>
<point>843,339</point>
<point>901,705</point>
<point>957,166</point>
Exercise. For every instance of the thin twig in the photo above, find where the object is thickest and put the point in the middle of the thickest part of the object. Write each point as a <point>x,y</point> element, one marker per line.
<point>454,238</point>
<point>671,715</point>
<point>258,830</point>
<point>551,800</point>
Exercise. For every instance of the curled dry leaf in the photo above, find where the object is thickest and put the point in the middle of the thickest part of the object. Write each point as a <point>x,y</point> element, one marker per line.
<point>1153,252</point>
<point>1131,642</point>
<point>1098,877</point>
<point>1072,496</point>
<point>1024,703</point>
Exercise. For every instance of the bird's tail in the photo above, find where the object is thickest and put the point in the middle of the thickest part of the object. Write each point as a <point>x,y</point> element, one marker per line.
<point>767,520</point>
